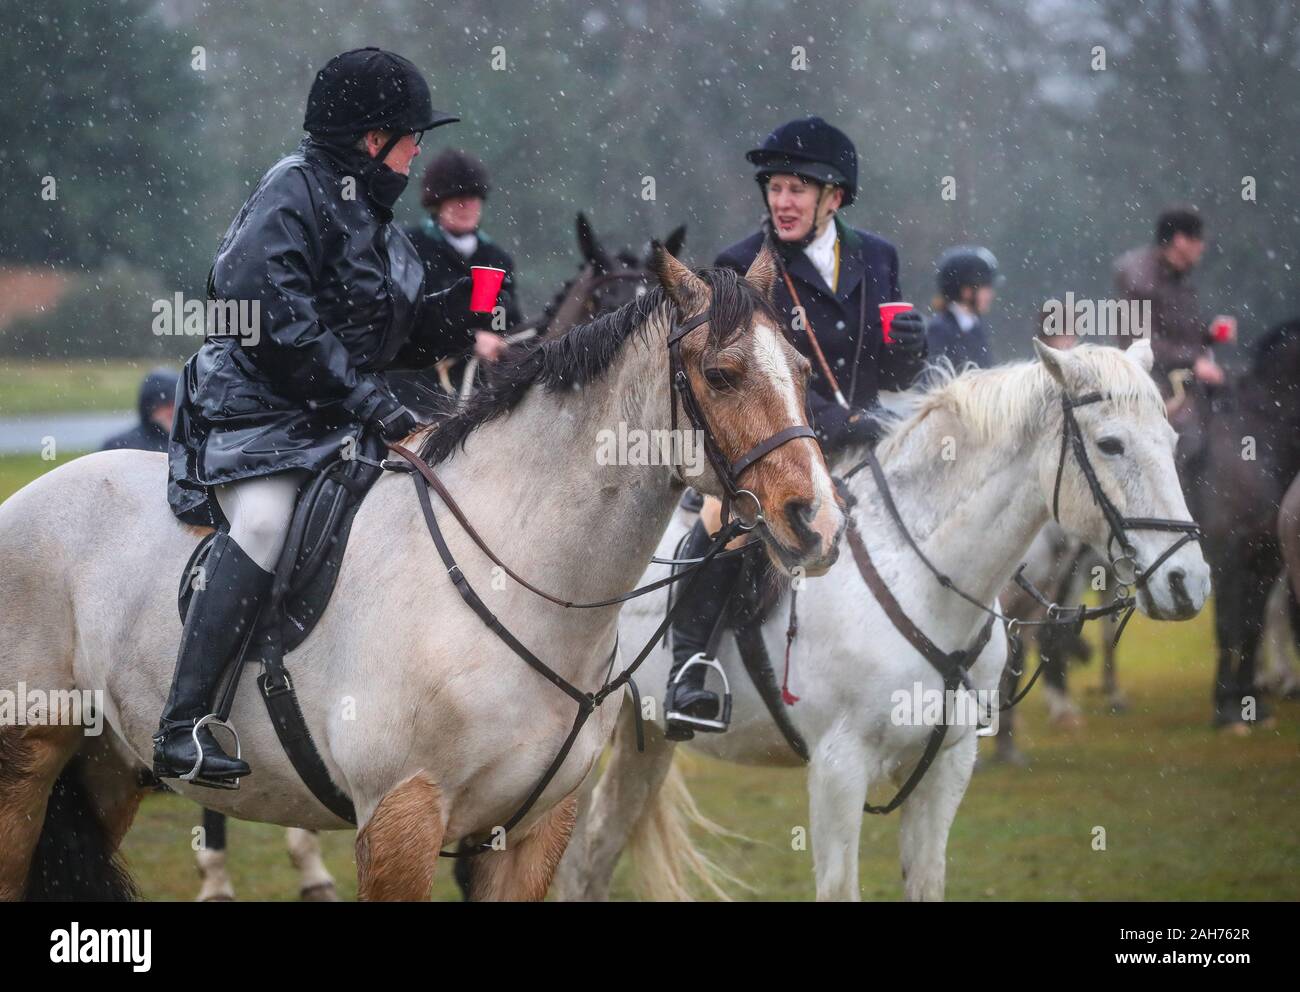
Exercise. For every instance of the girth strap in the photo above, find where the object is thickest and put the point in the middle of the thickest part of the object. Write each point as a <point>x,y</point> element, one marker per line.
<point>291,729</point>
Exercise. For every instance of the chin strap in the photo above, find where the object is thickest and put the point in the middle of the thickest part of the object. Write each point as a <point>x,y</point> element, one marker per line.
<point>378,158</point>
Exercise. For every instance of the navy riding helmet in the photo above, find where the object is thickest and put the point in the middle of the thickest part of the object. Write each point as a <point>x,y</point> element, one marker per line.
<point>967,265</point>
<point>810,148</point>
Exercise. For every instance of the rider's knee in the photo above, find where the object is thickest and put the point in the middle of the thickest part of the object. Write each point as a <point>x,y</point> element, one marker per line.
<point>260,532</point>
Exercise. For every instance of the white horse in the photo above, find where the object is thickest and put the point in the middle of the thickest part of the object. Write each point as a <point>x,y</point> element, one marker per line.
<point>431,725</point>
<point>972,470</point>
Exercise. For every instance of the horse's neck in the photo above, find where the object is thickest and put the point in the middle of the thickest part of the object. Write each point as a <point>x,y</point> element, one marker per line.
<point>531,484</point>
<point>973,516</point>
<point>1261,413</point>
<point>573,305</point>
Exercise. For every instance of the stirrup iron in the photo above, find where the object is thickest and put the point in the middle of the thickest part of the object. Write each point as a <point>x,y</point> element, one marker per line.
<point>193,775</point>
<point>709,725</point>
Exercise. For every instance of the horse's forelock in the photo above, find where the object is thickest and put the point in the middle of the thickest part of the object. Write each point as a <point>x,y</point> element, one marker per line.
<point>734,306</point>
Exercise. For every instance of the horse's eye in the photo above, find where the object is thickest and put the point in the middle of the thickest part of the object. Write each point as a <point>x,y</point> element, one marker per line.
<point>717,379</point>
<point>1111,446</point>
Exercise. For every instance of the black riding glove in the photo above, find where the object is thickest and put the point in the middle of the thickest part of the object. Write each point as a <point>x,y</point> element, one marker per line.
<point>861,427</point>
<point>907,333</point>
<point>838,428</point>
<point>373,405</point>
<point>450,307</point>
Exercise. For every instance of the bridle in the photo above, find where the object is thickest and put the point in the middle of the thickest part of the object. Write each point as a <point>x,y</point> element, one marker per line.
<point>1128,577</point>
<point>728,472</point>
<point>426,481</point>
<point>598,282</point>
<point>1119,525</point>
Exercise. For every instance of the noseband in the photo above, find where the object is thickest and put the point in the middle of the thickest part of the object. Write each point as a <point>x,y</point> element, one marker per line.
<point>1128,574</point>
<point>728,473</point>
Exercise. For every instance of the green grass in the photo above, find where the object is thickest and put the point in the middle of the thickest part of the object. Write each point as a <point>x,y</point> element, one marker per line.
<point>1188,813</point>
<point>33,387</point>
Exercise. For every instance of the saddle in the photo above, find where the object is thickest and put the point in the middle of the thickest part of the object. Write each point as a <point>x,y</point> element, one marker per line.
<point>313,551</point>
<point>304,581</point>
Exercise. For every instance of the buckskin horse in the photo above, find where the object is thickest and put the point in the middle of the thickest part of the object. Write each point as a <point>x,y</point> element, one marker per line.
<point>433,728</point>
<point>605,281</point>
<point>1081,435</point>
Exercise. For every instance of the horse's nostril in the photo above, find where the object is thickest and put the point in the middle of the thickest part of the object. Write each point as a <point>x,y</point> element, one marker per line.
<point>1178,586</point>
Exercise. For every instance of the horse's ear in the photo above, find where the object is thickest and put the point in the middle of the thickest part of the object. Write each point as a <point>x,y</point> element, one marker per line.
<point>673,243</point>
<point>1054,361</point>
<point>762,271</point>
<point>1140,352</point>
<point>683,286</point>
<point>590,247</point>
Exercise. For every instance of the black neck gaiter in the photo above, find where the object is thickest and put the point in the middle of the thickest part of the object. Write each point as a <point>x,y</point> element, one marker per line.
<point>382,185</point>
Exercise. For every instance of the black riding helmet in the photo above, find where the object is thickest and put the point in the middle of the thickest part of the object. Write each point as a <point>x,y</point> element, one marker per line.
<point>967,265</point>
<point>812,149</point>
<point>368,89</point>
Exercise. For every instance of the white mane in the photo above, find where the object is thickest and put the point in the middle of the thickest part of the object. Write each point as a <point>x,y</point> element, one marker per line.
<point>1004,403</point>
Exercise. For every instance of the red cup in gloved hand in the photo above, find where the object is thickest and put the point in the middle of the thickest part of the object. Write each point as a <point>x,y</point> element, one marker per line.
<point>1223,330</point>
<point>888,311</point>
<point>486,287</point>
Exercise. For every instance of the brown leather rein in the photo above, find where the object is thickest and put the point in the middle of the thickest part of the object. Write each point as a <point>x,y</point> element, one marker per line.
<point>425,479</point>
<point>954,666</point>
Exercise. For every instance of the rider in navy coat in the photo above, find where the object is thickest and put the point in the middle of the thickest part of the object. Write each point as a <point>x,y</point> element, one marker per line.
<point>833,279</point>
<point>966,277</point>
<point>868,277</point>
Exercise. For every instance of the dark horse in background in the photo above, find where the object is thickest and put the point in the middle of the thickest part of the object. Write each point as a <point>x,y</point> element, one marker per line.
<point>1238,451</point>
<point>604,283</point>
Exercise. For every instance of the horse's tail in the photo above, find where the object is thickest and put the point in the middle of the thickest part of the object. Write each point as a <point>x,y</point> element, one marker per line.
<point>74,860</point>
<point>667,864</point>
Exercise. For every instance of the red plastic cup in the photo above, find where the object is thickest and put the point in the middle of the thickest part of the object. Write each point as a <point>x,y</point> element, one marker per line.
<point>1224,330</point>
<point>888,311</point>
<point>485,287</point>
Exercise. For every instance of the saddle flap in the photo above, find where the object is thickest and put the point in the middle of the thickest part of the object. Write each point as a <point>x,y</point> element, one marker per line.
<point>313,550</point>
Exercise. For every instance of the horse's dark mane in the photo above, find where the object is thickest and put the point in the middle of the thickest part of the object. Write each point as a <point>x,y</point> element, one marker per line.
<point>582,354</point>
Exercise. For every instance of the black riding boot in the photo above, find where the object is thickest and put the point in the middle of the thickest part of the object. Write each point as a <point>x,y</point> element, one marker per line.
<point>219,616</point>
<point>691,628</point>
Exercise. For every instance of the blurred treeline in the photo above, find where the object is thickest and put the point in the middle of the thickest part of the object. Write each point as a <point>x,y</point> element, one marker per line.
<point>1058,166</point>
